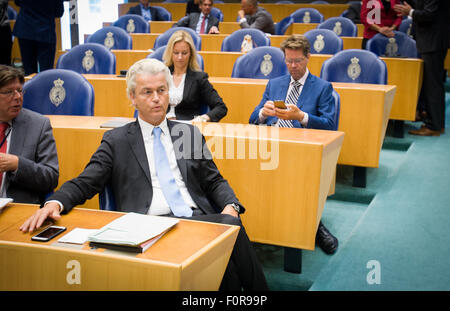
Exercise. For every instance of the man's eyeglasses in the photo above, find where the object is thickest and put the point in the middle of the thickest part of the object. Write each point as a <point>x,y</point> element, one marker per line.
<point>294,61</point>
<point>11,93</point>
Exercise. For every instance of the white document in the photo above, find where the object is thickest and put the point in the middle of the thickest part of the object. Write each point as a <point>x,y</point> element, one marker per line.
<point>77,236</point>
<point>133,229</point>
<point>4,201</point>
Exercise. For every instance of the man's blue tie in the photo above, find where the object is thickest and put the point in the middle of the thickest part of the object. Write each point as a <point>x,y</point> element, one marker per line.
<point>292,98</point>
<point>166,179</point>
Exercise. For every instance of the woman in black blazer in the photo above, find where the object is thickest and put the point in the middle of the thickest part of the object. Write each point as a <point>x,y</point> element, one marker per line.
<point>191,93</point>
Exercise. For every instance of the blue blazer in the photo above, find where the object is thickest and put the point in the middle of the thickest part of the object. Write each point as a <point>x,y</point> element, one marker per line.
<point>153,12</point>
<point>316,99</point>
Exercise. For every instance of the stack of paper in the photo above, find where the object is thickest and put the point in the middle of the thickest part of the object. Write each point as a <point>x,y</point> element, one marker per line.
<point>131,231</point>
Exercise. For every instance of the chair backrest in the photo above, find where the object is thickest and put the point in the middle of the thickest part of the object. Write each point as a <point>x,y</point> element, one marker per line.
<point>163,12</point>
<point>282,26</point>
<point>163,39</point>
<point>320,2</point>
<point>354,66</point>
<point>112,37</point>
<point>12,14</point>
<point>88,58</point>
<point>400,45</point>
<point>133,23</point>
<point>106,199</point>
<point>174,1</point>
<point>405,26</point>
<point>284,2</point>
<point>307,15</point>
<point>264,62</point>
<point>342,26</point>
<point>233,42</point>
<point>217,13</point>
<point>59,91</point>
<point>324,41</point>
<point>337,109</point>
<point>159,52</point>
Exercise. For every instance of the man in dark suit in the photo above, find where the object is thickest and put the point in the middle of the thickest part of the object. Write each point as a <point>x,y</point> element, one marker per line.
<point>430,23</point>
<point>28,158</point>
<point>203,22</point>
<point>253,16</point>
<point>159,167</point>
<point>146,11</point>
<point>35,28</point>
<point>310,104</point>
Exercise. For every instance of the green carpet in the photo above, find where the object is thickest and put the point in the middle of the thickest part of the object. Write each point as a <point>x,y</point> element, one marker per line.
<point>400,220</point>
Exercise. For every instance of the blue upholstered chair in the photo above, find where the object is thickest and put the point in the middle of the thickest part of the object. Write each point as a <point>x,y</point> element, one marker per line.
<point>264,62</point>
<point>163,12</point>
<point>233,42</point>
<point>174,1</point>
<point>159,52</point>
<point>400,45</point>
<point>324,41</point>
<point>59,91</point>
<point>354,66</point>
<point>307,15</point>
<point>217,13</point>
<point>12,14</point>
<point>112,37</point>
<point>132,23</point>
<point>106,199</point>
<point>320,2</point>
<point>282,26</point>
<point>88,58</point>
<point>164,38</point>
<point>284,2</point>
<point>337,106</point>
<point>342,26</point>
<point>405,26</point>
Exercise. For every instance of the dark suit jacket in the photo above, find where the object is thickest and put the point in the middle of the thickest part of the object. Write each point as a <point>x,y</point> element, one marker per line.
<point>36,19</point>
<point>38,172</point>
<point>121,161</point>
<point>154,12</point>
<point>430,22</point>
<point>316,99</point>
<point>197,93</point>
<point>191,21</point>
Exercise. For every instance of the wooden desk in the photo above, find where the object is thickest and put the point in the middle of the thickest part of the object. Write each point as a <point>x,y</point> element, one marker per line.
<point>252,159</point>
<point>364,112</point>
<point>405,73</point>
<point>229,10</point>
<point>447,63</point>
<point>169,264</point>
<point>213,43</point>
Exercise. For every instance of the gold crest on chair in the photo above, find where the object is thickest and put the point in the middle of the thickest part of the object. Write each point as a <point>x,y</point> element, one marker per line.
<point>266,65</point>
<point>109,40</point>
<point>319,44</point>
<point>88,61</point>
<point>131,27</point>
<point>354,69</point>
<point>57,93</point>
<point>247,44</point>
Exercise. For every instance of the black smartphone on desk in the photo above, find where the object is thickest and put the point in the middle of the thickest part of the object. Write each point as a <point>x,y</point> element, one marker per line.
<point>48,233</point>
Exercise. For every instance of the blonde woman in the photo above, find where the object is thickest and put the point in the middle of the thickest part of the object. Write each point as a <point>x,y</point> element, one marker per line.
<point>191,90</point>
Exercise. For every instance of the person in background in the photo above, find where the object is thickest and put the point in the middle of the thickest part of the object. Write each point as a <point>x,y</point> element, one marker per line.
<point>430,23</point>
<point>146,11</point>
<point>379,16</point>
<point>192,7</point>
<point>29,167</point>
<point>5,34</point>
<point>160,167</point>
<point>191,92</point>
<point>35,28</point>
<point>203,22</point>
<point>310,104</point>
<point>253,16</point>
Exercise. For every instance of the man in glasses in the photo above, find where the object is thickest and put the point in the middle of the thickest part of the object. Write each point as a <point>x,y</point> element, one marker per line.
<point>308,103</point>
<point>28,160</point>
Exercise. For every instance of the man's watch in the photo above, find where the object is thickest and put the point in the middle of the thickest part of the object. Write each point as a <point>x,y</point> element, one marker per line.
<point>236,207</point>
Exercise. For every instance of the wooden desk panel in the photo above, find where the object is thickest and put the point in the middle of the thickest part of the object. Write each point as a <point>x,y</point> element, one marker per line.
<point>405,73</point>
<point>252,159</point>
<point>169,264</point>
<point>229,10</point>
<point>447,63</point>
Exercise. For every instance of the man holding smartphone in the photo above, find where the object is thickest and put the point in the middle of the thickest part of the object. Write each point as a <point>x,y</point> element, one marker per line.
<point>309,103</point>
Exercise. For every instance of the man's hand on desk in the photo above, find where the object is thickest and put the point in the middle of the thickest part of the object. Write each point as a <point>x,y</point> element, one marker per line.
<point>50,210</point>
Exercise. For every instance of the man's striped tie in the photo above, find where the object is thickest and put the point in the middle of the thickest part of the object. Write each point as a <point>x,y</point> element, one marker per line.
<point>290,99</point>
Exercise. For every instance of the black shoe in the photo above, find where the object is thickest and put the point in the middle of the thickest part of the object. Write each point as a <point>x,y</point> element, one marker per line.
<point>325,240</point>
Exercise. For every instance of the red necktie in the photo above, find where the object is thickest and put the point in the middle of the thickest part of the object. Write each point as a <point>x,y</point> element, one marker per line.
<point>202,27</point>
<point>4,144</point>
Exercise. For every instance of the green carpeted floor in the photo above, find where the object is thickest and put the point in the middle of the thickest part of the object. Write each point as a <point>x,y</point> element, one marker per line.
<point>401,220</point>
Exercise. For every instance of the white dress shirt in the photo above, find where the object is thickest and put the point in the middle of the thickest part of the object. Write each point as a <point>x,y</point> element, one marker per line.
<point>302,80</point>
<point>7,142</point>
<point>199,24</point>
<point>159,205</point>
<point>175,96</point>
